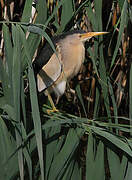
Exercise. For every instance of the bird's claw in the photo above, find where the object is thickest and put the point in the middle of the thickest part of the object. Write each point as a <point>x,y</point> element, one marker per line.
<point>49,111</point>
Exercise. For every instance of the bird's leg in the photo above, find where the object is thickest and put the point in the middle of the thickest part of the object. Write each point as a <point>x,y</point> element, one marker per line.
<point>52,104</point>
<point>57,100</point>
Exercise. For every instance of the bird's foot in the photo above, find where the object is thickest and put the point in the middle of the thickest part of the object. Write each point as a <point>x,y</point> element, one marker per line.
<point>49,111</point>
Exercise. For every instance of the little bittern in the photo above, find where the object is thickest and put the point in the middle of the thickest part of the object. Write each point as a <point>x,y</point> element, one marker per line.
<point>53,71</point>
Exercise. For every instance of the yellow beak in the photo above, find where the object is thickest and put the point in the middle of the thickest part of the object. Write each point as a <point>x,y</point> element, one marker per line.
<point>89,35</point>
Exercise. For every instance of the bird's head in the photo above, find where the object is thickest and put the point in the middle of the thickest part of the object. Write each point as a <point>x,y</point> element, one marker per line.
<point>80,36</point>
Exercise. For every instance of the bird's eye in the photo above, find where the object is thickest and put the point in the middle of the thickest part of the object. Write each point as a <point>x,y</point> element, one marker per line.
<point>80,36</point>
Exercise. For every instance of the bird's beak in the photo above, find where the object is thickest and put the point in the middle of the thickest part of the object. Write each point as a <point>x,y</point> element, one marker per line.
<point>87,36</point>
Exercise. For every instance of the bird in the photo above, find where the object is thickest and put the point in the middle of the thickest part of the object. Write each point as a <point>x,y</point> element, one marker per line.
<point>53,70</point>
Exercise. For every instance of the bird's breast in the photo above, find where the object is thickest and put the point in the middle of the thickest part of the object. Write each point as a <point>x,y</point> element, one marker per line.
<point>72,59</point>
<point>80,55</point>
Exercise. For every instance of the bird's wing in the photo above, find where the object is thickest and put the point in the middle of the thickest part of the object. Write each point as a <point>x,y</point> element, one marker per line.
<point>49,72</point>
<point>42,58</point>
